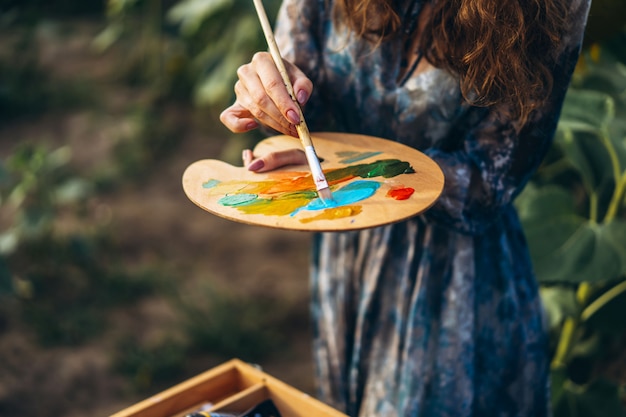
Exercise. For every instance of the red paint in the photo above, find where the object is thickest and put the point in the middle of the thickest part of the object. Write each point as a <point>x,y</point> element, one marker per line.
<point>400,193</point>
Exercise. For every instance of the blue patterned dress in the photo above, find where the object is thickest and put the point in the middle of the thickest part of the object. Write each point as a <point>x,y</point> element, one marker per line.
<point>438,315</point>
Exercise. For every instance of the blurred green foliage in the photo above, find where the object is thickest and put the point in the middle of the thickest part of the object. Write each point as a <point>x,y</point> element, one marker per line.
<point>64,286</point>
<point>188,48</point>
<point>574,216</point>
<point>65,283</point>
<point>262,322</point>
<point>187,51</point>
<point>153,138</point>
<point>35,183</point>
<point>26,90</point>
<point>146,365</point>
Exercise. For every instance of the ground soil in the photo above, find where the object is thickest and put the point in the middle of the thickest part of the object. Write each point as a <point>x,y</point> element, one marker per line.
<point>153,222</point>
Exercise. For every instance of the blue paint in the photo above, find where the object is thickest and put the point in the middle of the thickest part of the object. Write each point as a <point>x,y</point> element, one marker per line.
<point>350,194</point>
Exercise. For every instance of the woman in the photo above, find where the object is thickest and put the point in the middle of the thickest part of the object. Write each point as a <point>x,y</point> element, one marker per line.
<point>438,315</point>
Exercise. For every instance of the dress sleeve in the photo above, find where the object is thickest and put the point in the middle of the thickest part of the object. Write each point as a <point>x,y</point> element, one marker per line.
<point>494,162</point>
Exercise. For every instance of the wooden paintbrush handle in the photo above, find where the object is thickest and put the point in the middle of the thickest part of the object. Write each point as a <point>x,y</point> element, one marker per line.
<point>303,130</point>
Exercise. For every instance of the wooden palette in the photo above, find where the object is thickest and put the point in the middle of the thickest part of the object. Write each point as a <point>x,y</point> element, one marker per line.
<point>374,182</point>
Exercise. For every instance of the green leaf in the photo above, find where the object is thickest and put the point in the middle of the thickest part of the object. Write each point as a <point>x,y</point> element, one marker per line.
<point>608,311</point>
<point>541,203</point>
<point>558,380</point>
<point>72,190</point>
<point>593,108</point>
<point>587,154</point>
<point>559,302</point>
<point>105,39</point>
<point>571,126</point>
<point>598,399</point>
<point>6,285</point>
<point>214,88</point>
<point>570,249</point>
<point>606,73</point>
<point>191,14</point>
<point>9,241</point>
<point>587,345</point>
<point>115,7</point>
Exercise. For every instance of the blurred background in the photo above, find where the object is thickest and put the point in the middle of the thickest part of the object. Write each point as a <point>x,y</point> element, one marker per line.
<point>114,286</point>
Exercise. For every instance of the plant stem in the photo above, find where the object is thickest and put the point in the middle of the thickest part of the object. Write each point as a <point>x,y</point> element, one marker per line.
<point>620,179</point>
<point>565,342</point>
<point>568,332</point>
<point>550,171</point>
<point>593,208</point>
<point>620,187</point>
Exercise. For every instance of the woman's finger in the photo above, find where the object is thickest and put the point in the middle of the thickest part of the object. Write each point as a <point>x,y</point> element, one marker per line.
<point>238,119</point>
<point>302,85</point>
<point>251,93</point>
<point>246,157</point>
<point>274,88</point>
<point>276,160</point>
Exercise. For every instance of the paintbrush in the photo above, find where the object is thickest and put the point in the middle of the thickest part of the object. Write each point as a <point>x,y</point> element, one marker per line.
<point>323,191</point>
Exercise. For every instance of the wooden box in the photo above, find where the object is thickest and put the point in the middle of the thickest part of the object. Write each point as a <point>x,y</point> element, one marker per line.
<point>233,386</point>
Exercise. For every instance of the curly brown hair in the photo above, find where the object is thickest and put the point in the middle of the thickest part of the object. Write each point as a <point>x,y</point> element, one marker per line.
<point>503,51</point>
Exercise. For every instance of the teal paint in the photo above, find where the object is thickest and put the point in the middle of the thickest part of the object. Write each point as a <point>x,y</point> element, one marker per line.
<point>210,183</point>
<point>349,157</point>
<point>234,200</point>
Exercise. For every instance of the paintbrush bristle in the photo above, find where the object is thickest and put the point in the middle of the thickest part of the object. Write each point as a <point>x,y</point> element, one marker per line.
<point>326,196</point>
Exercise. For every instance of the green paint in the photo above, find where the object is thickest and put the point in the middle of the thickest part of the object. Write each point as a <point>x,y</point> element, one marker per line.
<point>386,168</point>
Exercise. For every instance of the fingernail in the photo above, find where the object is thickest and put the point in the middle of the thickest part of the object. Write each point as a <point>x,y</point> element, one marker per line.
<point>252,125</point>
<point>302,96</point>
<point>293,117</point>
<point>246,154</point>
<point>256,165</point>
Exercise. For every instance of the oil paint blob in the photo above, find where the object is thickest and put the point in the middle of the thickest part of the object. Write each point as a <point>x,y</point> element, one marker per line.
<point>281,205</point>
<point>234,200</point>
<point>400,193</point>
<point>210,183</point>
<point>334,213</point>
<point>386,168</point>
<point>288,193</point>
<point>349,157</point>
<point>352,193</point>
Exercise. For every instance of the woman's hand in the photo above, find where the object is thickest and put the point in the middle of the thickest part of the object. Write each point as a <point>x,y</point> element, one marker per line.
<point>273,160</point>
<point>262,97</point>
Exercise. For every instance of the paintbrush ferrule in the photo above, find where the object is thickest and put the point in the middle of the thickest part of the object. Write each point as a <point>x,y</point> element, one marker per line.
<point>327,197</point>
<point>316,169</point>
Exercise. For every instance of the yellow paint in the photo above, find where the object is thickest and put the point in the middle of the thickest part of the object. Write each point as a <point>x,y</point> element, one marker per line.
<point>280,206</point>
<point>335,213</point>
